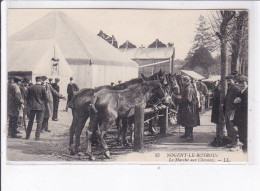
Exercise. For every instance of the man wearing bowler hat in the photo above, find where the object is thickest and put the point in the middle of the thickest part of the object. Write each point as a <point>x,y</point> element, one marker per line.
<point>37,98</point>
<point>56,100</point>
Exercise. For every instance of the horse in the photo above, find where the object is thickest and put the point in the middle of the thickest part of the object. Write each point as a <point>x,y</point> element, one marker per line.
<point>108,105</point>
<point>80,104</point>
<point>80,108</point>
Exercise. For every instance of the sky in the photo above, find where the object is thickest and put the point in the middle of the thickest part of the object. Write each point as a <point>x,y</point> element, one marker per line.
<point>140,27</point>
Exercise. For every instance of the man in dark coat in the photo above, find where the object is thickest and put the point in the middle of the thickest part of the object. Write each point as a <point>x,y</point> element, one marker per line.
<point>188,115</point>
<point>15,103</point>
<point>240,117</point>
<point>71,89</point>
<point>56,100</point>
<point>36,100</point>
<point>229,108</point>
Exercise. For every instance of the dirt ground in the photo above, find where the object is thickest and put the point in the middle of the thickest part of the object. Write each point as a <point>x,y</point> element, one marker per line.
<point>53,146</point>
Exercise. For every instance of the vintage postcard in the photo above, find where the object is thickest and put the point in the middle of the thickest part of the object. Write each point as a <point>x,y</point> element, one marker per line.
<point>127,86</point>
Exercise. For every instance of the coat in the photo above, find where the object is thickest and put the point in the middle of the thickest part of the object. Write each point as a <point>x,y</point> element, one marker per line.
<point>215,106</point>
<point>57,88</point>
<point>188,114</point>
<point>14,99</point>
<point>229,105</point>
<point>36,97</point>
<point>49,104</point>
<point>240,118</point>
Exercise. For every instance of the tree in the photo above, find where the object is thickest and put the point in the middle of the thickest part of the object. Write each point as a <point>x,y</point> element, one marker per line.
<point>222,34</point>
<point>200,61</point>
<point>238,39</point>
<point>203,36</point>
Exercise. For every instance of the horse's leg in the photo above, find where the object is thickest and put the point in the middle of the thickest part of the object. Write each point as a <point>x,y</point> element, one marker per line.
<point>72,132</point>
<point>92,125</point>
<point>80,125</point>
<point>101,131</point>
<point>120,131</point>
<point>125,127</point>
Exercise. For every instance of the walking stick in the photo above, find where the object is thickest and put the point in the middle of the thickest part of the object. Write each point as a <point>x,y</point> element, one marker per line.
<point>24,122</point>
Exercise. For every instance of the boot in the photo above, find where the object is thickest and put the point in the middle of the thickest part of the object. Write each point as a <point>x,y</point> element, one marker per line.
<point>185,134</point>
<point>189,137</point>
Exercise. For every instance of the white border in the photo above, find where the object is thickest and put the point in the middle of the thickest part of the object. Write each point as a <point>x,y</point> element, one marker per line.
<point>92,169</point>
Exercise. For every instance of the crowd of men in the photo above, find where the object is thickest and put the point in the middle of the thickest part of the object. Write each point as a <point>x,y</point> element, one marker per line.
<point>235,109</point>
<point>29,100</point>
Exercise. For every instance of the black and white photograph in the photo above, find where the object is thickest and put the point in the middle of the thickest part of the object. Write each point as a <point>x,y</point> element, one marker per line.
<point>127,85</point>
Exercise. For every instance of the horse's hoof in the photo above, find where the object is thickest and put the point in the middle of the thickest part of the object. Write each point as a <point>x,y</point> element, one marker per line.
<point>107,154</point>
<point>80,154</point>
<point>92,158</point>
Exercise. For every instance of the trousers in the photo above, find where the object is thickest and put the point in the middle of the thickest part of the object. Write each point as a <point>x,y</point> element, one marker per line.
<point>13,125</point>
<point>39,118</point>
<point>45,123</point>
<point>55,109</point>
<point>231,131</point>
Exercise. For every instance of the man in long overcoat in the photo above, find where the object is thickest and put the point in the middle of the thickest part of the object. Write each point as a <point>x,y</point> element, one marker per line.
<point>215,105</point>
<point>240,118</point>
<point>188,115</point>
<point>15,102</point>
<point>49,105</point>
<point>36,100</point>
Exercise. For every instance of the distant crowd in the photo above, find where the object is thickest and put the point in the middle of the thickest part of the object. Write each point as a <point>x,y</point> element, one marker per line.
<point>27,100</point>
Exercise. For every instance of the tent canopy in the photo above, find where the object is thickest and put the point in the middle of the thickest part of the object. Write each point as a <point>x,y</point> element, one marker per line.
<point>193,74</point>
<point>75,42</point>
<point>212,78</point>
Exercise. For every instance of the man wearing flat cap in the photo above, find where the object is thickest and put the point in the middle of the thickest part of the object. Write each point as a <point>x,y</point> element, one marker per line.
<point>240,117</point>
<point>37,98</point>
<point>50,81</point>
<point>15,102</point>
<point>56,100</point>
<point>229,107</point>
<point>71,89</point>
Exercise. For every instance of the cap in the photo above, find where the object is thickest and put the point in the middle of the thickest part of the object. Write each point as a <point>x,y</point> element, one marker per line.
<point>57,79</point>
<point>26,80</point>
<point>50,79</point>
<point>18,79</point>
<point>242,78</point>
<point>37,78</point>
<point>44,78</point>
<point>71,78</point>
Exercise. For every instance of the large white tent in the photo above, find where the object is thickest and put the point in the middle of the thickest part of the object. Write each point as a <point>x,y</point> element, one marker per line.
<point>90,59</point>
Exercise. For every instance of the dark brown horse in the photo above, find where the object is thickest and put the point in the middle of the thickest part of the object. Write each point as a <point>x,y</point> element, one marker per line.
<point>111,104</point>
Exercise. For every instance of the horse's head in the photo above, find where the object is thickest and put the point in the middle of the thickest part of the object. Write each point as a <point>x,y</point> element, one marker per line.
<point>159,92</point>
<point>172,82</point>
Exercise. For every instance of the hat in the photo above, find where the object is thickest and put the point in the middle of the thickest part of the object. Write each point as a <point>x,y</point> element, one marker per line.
<point>71,78</point>
<point>44,78</point>
<point>18,79</point>
<point>57,79</point>
<point>37,78</point>
<point>50,79</point>
<point>242,78</point>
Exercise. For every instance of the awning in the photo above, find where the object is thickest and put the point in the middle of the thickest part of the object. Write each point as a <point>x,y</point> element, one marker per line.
<point>193,74</point>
